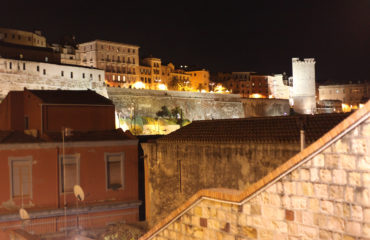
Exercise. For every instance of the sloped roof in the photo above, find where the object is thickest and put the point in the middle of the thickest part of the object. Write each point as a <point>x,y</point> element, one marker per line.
<point>84,97</point>
<point>239,196</point>
<point>106,135</point>
<point>17,137</point>
<point>258,129</point>
<point>77,136</point>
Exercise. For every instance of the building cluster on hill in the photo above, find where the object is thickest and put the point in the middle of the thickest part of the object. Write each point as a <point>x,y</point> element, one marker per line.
<point>122,68</point>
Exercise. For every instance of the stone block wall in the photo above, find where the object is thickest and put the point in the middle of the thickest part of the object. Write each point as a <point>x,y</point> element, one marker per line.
<point>195,105</point>
<point>324,197</point>
<point>176,171</point>
<point>262,107</point>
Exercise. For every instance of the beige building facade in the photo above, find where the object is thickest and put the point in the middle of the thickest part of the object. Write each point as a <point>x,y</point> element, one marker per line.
<point>20,37</point>
<point>120,61</point>
<point>351,95</point>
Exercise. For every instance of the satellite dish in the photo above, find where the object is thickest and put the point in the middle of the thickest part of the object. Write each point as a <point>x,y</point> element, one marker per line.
<point>24,214</point>
<point>79,193</point>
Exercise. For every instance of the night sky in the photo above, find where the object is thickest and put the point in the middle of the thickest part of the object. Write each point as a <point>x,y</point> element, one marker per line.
<point>258,35</point>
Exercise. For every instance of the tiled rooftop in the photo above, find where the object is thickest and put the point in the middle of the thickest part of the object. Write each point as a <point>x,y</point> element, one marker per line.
<point>258,129</point>
<point>71,97</point>
<point>107,135</point>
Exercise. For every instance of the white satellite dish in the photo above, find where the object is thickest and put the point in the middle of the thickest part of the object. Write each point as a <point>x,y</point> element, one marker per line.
<point>24,214</point>
<point>79,193</point>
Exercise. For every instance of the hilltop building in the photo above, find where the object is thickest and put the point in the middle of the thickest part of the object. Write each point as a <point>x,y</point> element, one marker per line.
<point>352,95</point>
<point>120,61</point>
<point>19,37</point>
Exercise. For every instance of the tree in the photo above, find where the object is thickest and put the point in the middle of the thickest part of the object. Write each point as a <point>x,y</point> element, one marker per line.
<point>165,112</point>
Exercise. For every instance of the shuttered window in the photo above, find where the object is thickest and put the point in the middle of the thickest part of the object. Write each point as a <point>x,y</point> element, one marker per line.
<point>69,172</point>
<point>21,177</point>
<point>115,170</point>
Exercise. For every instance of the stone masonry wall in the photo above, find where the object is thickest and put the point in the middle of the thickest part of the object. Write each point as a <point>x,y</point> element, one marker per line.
<point>327,197</point>
<point>31,75</point>
<point>205,165</point>
<point>195,105</point>
<point>261,107</point>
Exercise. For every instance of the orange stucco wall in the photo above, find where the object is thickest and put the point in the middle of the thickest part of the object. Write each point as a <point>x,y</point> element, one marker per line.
<point>83,118</point>
<point>45,176</point>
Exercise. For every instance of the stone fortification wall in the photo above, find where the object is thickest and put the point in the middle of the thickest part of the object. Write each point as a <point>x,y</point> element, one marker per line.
<point>260,107</point>
<point>325,197</point>
<point>183,169</point>
<point>195,105</point>
<point>18,74</point>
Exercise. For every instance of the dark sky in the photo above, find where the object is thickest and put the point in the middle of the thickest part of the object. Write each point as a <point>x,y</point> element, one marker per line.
<point>247,35</point>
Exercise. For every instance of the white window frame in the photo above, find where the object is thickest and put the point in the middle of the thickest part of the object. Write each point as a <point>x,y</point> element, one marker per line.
<point>106,156</point>
<point>11,160</point>
<point>61,178</point>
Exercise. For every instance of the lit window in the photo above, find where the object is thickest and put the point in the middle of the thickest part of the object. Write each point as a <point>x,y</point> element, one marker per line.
<point>119,78</point>
<point>21,176</point>
<point>69,172</point>
<point>115,170</point>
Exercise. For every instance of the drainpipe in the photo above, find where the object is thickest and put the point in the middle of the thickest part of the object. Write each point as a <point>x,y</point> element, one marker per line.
<point>302,140</point>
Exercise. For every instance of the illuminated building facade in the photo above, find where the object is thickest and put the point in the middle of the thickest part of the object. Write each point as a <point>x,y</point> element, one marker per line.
<point>120,61</point>
<point>20,37</point>
<point>351,95</point>
<point>247,84</point>
<point>199,80</point>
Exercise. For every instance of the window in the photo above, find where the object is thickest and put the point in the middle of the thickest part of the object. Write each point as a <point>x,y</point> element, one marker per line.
<point>115,170</point>
<point>62,73</point>
<point>44,71</point>
<point>91,76</point>
<point>83,75</point>
<point>26,122</point>
<point>10,65</point>
<point>38,68</point>
<point>71,74</point>
<point>21,176</point>
<point>99,77</point>
<point>24,66</point>
<point>69,172</point>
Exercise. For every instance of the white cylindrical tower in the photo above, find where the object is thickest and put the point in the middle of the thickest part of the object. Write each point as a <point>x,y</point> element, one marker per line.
<point>303,91</point>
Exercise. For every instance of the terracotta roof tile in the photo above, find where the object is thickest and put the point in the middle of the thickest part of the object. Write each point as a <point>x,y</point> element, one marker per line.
<point>106,135</point>
<point>71,97</point>
<point>266,129</point>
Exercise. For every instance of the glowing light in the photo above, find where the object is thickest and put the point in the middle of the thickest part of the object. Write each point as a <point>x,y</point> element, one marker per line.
<point>138,85</point>
<point>346,107</point>
<point>203,91</point>
<point>361,105</point>
<point>256,95</point>
<point>220,89</point>
<point>162,86</point>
